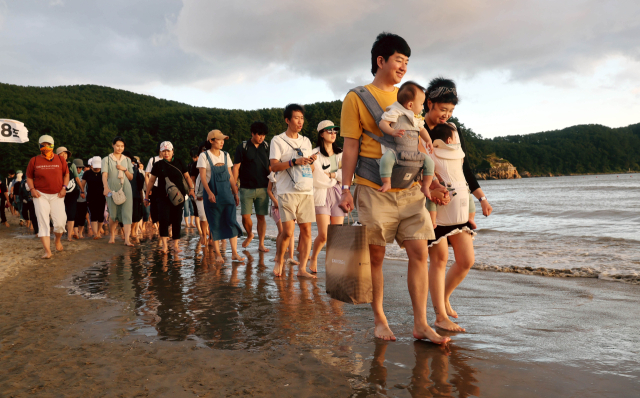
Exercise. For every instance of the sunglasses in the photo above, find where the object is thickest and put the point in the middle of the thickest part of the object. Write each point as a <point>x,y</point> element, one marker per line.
<point>46,146</point>
<point>299,152</point>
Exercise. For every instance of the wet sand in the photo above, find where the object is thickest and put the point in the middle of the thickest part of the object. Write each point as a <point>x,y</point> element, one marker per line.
<point>140,324</point>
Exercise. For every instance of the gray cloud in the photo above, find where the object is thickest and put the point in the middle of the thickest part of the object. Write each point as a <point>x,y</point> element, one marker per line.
<point>207,44</point>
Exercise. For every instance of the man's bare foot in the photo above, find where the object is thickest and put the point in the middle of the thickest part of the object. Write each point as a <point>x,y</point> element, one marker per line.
<point>383,332</point>
<point>96,238</point>
<point>219,259</point>
<point>112,240</point>
<point>313,266</point>
<point>236,257</point>
<point>447,324</point>
<point>473,224</point>
<point>450,310</point>
<point>277,270</point>
<point>304,274</point>
<point>47,255</point>
<point>59,246</point>
<point>264,249</point>
<point>291,261</point>
<point>129,244</point>
<point>248,240</point>
<point>430,334</point>
<point>177,249</point>
<point>385,187</point>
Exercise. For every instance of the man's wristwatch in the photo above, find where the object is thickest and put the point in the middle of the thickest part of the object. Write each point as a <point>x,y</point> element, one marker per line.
<point>482,198</point>
<point>346,187</point>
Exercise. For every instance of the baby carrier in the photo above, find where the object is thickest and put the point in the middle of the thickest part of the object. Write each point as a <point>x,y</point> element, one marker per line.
<point>409,160</point>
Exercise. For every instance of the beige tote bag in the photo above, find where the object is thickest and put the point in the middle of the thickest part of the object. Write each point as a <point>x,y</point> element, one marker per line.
<point>347,264</point>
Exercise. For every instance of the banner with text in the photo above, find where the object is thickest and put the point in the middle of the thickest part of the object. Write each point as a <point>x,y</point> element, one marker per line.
<point>13,131</point>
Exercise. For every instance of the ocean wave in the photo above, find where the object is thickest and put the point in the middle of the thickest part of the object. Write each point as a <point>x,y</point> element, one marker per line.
<point>581,272</point>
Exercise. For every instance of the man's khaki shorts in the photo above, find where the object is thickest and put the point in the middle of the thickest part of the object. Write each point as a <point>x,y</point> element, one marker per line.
<point>393,215</point>
<point>295,206</point>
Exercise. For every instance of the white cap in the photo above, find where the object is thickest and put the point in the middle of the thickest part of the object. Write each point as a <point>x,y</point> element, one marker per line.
<point>166,146</point>
<point>95,162</point>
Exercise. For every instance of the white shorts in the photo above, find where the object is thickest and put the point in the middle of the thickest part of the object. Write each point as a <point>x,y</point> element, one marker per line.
<point>200,206</point>
<point>50,206</point>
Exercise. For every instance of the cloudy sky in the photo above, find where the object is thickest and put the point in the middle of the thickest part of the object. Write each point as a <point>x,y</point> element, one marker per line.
<point>521,66</point>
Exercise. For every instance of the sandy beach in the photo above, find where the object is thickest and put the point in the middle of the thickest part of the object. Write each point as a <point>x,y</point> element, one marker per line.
<point>529,336</point>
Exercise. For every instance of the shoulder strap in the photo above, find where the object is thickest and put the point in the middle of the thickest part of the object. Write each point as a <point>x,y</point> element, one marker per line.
<point>370,102</point>
<point>244,145</point>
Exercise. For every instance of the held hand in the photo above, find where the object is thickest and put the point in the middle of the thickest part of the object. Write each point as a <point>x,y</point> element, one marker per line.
<point>398,133</point>
<point>35,194</point>
<point>106,192</point>
<point>346,204</point>
<point>82,195</point>
<point>275,204</point>
<point>237,198</point>
<point>62,192</point>
<point>440,195</point>
<point>486,208</point>
<point>146,202</point>
<point>212,198</point>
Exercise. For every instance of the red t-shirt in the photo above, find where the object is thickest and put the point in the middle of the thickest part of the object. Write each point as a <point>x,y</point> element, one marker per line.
<point>47,175</point>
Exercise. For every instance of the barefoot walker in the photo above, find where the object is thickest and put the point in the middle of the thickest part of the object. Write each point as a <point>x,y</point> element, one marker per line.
<point>48,177</point>
<point>252,166</point>
<point>220,195</point>
<point>399,213</point>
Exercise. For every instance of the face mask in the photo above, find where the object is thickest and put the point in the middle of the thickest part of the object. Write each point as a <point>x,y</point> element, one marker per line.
<point>46,151</point>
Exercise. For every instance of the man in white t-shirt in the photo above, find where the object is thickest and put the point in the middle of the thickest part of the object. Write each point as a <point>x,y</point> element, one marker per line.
<point>291,150</point>
<point>153,204</point>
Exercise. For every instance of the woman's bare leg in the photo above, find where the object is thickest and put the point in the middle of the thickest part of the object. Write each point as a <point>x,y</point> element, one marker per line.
<point>112,231</point>
<point>465,257</point>
<point>234,250</point>
<point>127,234</point>
<point>438,256</point>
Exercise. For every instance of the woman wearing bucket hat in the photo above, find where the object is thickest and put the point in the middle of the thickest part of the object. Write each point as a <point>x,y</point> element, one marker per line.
<point>95,198</point>
<point>48,177</point>
<point>220,194</point>
<point>327,192</point>
<point>170,173</point>
<point>73,191</point>
<point>117,173</point>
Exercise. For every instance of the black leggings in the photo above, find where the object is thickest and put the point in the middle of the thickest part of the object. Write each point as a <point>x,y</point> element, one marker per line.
<point>29,213</point>
<point>81,214</point>
<point>170,215</point>
<point>96,208</point>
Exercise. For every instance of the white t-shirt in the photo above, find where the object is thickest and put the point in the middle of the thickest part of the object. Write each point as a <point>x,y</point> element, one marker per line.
<point>203,163</point>
<point>283,152</point>
<point>150,166</point>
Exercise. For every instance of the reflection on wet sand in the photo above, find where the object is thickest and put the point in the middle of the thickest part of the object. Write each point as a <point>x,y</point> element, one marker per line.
<point>227,305</point>
<point>439,371</point>
<point>234,305</point>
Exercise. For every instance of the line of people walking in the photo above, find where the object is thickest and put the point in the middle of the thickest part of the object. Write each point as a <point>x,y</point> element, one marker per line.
<point>413,186</point>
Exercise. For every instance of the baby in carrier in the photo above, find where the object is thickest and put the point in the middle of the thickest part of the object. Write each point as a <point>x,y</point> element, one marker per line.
<point>448,156</point>
<point>403,120</point>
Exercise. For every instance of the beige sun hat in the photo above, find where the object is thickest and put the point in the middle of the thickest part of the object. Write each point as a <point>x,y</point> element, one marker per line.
<point>61,149</point>
<point>216,135</point>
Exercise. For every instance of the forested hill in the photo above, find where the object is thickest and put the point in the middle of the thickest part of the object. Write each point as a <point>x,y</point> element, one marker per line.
<point>86,118</point>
